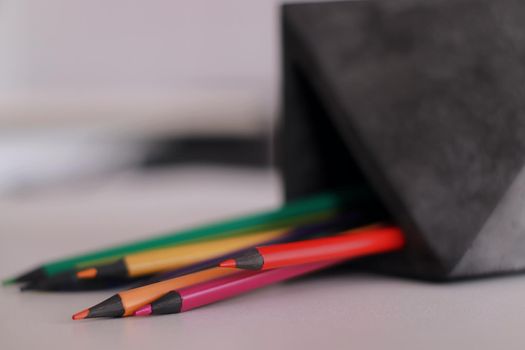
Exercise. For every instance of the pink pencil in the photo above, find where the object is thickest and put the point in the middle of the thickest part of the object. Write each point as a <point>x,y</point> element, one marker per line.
<point>222,288</point>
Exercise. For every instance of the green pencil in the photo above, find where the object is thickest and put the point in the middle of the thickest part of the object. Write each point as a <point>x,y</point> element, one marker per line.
<point>298,210</point>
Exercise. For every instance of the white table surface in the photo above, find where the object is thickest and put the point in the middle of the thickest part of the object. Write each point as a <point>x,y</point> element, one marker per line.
<point>331,312</point>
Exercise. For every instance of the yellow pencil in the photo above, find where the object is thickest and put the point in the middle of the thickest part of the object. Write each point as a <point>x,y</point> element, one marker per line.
<point>159,260</point>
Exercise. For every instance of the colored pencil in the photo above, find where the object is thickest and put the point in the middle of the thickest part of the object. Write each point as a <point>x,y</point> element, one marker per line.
<point>125,303</point>
<point>351,244</point>
<point>201,294</point>
<point>285,223</point>
<point>344,221</point>
<point>154,261</point>
<point>68,280</point>
<point>327,202</point>
<point>158,260</point>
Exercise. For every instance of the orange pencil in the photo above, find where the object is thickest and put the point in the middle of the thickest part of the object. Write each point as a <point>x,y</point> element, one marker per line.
<point>127,302</point>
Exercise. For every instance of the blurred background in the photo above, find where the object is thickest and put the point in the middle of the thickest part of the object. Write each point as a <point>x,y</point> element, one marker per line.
<point>92,89</point>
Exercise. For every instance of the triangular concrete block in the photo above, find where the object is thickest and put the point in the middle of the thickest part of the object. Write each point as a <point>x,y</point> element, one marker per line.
<point>425,102</point>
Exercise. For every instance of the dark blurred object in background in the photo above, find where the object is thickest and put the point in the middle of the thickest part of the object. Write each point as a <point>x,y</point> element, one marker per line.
<point>92,89</point>
<point>220,150</point>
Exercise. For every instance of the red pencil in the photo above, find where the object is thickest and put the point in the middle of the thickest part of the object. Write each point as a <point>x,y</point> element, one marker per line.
<point>348,245</point>
<point>208,292</point>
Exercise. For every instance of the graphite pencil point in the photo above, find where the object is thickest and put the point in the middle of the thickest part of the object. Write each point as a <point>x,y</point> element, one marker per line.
<point>87,273</point>
<point>81,315</point>
<point>55,282</point>
<point>143,311</point>
<point>251,259</point>
<point>111,307</point>
<point>28,287</point>
<point>30,276</point>
<point>228,263</point>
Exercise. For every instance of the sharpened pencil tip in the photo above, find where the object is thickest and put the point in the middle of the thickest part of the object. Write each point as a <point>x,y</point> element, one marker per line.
<point>87,273</point>
<point>27,287</point>
<point>143,311</point>
<point>228,263</point>
<point>30,276</point>
<point>81,315</point>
